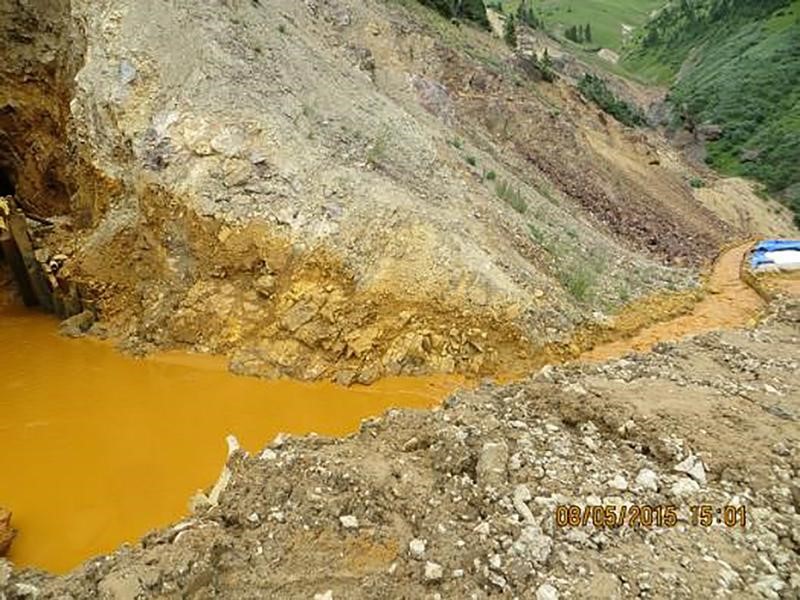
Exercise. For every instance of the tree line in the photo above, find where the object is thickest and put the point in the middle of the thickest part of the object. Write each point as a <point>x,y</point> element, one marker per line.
<point>579,34</point>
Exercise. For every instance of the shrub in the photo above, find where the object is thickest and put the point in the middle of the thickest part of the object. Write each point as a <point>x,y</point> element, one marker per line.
<point>526,14</point>
<point>512,196</point>
<point>596,90</point>
<point>376,153</point>
<point>471,10</point>
<point>510,31</point>
<point>697,183</point>
<point>536,234</point>
<point>578,281</point>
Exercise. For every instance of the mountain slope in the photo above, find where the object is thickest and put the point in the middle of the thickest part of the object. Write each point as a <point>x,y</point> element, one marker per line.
<point>345,189</point>
<point>735,65</point>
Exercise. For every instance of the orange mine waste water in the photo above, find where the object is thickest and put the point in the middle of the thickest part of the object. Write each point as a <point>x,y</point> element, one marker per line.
<point>97,448</point>
<point>730,303</point>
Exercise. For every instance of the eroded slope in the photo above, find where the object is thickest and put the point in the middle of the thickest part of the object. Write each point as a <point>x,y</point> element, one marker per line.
<point>354,189</point>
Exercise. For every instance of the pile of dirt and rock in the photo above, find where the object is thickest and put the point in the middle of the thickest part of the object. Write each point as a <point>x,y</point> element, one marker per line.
<point>334,189</point>
<point>7,532</point>
<point>466,501</point>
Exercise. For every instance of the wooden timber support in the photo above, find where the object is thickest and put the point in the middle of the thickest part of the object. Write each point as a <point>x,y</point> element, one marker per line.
<point>37,286</point>
<point>14,259</point>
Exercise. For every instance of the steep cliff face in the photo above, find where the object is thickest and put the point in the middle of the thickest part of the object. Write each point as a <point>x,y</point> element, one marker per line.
<point>335,188</point>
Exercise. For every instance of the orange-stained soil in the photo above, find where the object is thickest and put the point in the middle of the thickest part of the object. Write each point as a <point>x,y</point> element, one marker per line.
<point>730,303</point>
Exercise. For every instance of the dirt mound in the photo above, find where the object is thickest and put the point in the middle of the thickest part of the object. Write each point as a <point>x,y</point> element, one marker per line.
<point>336,188</point>
<point>466,500</point>
<point>7,532</point>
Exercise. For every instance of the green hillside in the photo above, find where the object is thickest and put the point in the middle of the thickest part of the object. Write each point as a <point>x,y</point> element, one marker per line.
<point>606,17</point>
<point>739,64</point>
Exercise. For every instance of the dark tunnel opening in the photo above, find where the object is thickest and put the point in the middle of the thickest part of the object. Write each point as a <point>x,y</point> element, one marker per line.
<point>7,186</point>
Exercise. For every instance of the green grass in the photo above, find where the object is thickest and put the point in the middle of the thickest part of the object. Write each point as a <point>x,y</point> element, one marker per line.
<point>605,16</point>
<point>697,183</point>
<point>579,281</point>
<point>511,195</point>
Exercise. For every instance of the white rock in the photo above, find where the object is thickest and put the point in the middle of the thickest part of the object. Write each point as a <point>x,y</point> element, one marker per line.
<point>280,440</point>
<point>546,592</point>
<point>268,454</point>
<point>492,463</point>
<point>5,572</point>
<point>416,548</point>
<point>433,571</point>
<point>349,522</point>
<point>576,388</point>
<point>727,576</point>
<point>693,467</point>
<point>327,595</point>
<point>546,372</point>
<point>618,482</point>
<point>522,495</point>
<point>26,590</point>
<point>684,487</point>
<point>533,544</point>
<point>769,586</point>
<point>497,579</point>
<point>647,479</point>
<point>483,528</point>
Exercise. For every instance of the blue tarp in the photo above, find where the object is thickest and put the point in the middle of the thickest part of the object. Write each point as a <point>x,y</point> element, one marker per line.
<point>759,257</point>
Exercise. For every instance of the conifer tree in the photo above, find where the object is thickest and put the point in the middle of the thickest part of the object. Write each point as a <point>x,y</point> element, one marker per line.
<point>510,31</point>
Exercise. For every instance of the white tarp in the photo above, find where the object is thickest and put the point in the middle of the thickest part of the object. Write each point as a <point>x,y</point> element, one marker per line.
<point>774,256</point>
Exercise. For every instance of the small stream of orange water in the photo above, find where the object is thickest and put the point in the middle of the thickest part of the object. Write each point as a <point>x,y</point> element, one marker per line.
<point>730,303</point>
<point>97,448</point>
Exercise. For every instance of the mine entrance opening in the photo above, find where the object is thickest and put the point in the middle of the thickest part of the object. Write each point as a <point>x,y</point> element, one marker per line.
<point>7,185</point>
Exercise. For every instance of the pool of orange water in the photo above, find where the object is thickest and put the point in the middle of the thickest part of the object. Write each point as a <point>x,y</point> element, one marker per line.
<point>97,448</point>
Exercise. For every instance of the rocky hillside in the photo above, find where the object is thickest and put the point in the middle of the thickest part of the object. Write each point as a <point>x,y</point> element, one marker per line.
<point>338,188</point>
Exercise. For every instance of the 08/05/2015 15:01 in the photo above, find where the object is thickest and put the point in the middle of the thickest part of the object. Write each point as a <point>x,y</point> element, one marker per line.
<point>663,515</point>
